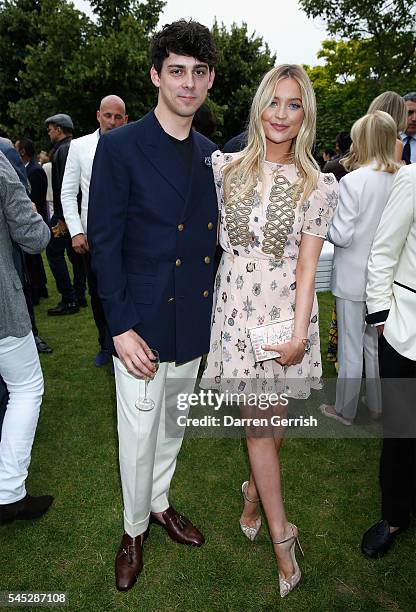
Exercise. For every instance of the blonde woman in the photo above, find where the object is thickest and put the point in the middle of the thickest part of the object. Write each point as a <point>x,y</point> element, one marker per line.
<point>275,208</point>
<point>390,102</point>
<point>363,195</point>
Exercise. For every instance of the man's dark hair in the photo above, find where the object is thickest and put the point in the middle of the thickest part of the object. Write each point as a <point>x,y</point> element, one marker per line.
<point>65,130</point>
<point>28,145</point>
<point>183,38</point>
<point>343,140</point>
<point>410,97</point>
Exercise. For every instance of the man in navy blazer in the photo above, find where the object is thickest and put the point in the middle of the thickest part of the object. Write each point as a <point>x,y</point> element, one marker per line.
<point>152,225</point>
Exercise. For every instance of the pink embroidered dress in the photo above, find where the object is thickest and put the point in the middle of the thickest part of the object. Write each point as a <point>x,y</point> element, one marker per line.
<point>256,279</point>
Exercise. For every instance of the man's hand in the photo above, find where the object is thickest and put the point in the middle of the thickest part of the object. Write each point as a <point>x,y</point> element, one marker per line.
<point>62,226</point>
<point>135,354</point>
<point>80,244</point>
<point>380,329</point>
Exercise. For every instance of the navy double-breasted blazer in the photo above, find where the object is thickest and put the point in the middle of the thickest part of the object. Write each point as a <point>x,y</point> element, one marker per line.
<point>152,228</point>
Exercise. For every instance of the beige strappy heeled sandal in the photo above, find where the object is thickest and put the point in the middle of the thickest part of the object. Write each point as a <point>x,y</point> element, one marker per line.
<point>250,531</point>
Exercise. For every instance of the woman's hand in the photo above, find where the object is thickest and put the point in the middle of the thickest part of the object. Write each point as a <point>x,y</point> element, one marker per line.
<point>291,352</point>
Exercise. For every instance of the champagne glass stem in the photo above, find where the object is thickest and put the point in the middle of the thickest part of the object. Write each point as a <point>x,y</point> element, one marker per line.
<point>146,382</point>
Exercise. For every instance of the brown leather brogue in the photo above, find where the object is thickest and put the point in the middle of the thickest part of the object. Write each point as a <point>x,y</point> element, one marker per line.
<point>179,528</point>
<point>129,561</point>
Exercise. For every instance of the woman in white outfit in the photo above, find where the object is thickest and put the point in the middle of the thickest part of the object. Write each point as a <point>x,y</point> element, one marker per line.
<point>392,103</point>
<point>363,195</point>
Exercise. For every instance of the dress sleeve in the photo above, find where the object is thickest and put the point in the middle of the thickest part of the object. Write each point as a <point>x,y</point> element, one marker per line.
<point>321,206</point>
<point>219,160</point>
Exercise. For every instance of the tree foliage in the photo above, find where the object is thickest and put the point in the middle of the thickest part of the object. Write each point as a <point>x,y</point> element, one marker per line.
<point>54,58</point>
<point>373,50</point>
<point>243,60</point>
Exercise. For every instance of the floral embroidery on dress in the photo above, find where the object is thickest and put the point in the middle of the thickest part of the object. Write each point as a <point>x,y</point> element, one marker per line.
<point>256,279</point>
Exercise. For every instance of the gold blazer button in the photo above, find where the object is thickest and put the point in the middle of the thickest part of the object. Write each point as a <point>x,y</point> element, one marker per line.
<point>181,227</point>
<point>178,263</point>
<point>207,259</point>
<point>206,293</point>
<point>210,226</point>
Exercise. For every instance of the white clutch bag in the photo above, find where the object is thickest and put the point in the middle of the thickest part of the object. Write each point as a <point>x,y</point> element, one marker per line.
<point>278,332</point>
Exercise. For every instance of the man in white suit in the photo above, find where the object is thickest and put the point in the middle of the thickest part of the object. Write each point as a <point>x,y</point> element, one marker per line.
<point>111,114</point>
<point>391,304</point>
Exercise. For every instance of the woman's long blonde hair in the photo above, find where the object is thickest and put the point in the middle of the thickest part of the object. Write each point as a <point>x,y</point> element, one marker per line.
<point>390,102</point>
<point>373,139</point>
<point>241,174</point>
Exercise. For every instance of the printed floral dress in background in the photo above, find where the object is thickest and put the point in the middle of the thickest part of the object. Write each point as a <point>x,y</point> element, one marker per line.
<point>256,279</point>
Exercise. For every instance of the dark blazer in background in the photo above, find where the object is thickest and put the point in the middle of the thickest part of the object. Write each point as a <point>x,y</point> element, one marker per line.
<point>38,186</point>
<point>333,166</point>
<point>236,144</point>
<point>152,231</point>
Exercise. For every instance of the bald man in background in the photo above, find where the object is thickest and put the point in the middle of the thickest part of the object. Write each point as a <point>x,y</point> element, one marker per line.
<point>111,115</point>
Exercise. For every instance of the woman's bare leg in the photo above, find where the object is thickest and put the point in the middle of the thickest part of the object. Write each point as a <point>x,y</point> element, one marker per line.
<point>265,484</point>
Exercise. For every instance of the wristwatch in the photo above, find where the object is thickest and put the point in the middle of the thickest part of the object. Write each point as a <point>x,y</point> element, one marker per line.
<point>306,343</point>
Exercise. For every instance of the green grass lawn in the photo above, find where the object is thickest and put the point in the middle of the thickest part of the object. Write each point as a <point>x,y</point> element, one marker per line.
<point>330,489</point>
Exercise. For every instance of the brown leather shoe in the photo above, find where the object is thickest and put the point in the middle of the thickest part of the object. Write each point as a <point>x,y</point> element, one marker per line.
<point>179,528</point>
<point>129,562</point>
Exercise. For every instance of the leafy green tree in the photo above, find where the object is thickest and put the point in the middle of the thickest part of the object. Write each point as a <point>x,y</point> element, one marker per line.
<point>76,61</point>
<point>373,50</point>
<point>44,86</point>
<point>243,60</point>
<point>111,13</point>
<point>19,28</point>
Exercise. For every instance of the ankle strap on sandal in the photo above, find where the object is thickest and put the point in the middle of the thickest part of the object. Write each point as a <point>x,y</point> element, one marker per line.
<point>291,537</point>
<point>252,501</point>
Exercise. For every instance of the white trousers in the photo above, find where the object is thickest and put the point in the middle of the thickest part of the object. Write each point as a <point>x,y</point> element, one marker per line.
<point>354,338</point>
<point>21,371</point>
<point>147,455</point>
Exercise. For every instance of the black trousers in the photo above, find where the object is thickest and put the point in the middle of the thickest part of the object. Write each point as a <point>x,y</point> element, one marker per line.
<point>398,455</point>
<point>104,336</point>
<point>37,276</point>
<point>55,252</point>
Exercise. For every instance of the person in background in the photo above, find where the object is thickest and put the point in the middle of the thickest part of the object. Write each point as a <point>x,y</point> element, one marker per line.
<point>327,155</point>
<point>409,135</point>
<point>237,143</point>
<point>38,187</point>
<point>44,160</point>
<point>111,114</point>
<point>19,360</point>
<point>364,192</point>
<point>342,147</point>
<point>204,121</point>
<point>390,102</point>
<point>391,305</point>
<point>60,129</point>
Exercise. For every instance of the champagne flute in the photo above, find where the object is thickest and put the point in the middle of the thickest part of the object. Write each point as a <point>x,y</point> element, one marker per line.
<point>146,403</point>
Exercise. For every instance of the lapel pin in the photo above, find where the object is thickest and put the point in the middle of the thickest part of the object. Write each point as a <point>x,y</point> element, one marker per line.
<point>208,161</point>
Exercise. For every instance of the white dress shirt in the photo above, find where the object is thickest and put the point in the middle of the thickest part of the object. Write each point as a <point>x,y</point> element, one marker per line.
<point>404,137</point>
